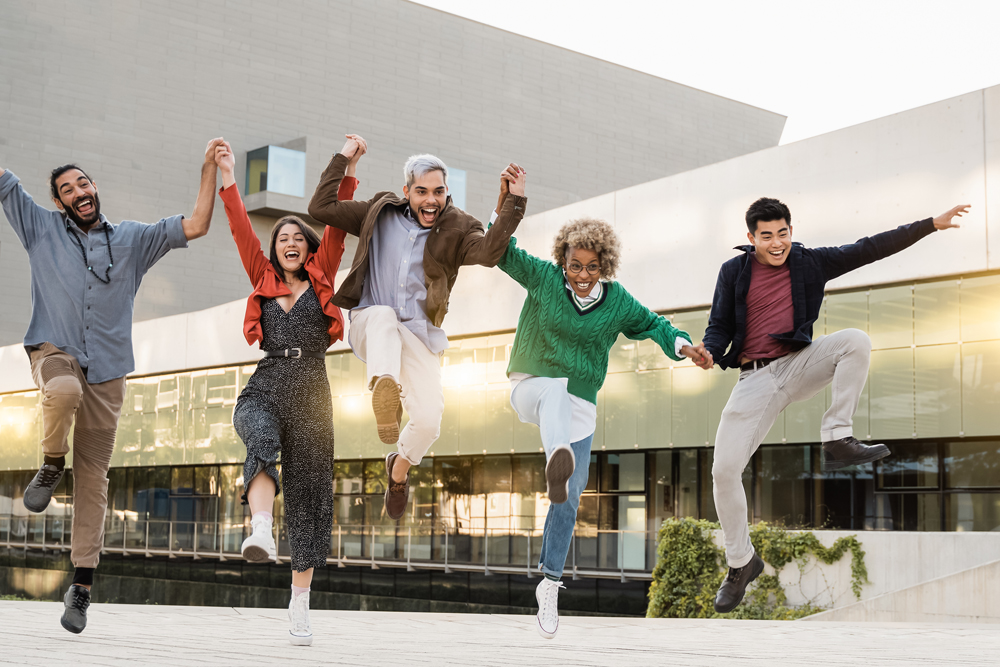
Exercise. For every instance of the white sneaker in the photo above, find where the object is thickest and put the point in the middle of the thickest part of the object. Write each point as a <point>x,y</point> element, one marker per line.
<point>547,595</point>
<point>300,632</point>
<point>259,547</point>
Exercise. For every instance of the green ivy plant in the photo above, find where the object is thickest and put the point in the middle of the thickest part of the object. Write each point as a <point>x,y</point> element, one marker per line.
<point>690,568</point>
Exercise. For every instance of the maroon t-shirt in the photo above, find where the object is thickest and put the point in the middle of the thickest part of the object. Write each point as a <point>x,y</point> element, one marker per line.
<point>769,310</point>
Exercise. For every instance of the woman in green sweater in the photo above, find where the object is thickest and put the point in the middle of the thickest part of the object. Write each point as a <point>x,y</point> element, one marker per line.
<point>571,317</point>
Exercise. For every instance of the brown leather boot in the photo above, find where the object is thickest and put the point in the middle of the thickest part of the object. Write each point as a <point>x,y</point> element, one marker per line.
<point>849,451</point>
<point>396,493</point>
<point>388,408</point>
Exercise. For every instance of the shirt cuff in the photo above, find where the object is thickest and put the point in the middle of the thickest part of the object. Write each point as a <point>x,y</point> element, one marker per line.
<point>680,342</point>
<point>175,232</point>
<point>493,217</point>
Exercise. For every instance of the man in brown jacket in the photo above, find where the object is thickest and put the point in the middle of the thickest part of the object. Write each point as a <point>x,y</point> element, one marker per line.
<point>410,249</point>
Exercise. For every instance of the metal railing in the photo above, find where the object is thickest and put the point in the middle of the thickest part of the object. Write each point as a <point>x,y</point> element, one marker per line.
<point>609,554</point>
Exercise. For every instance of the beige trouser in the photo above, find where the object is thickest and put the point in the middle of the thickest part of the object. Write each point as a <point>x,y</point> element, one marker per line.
<point>389,348</point>
<point>96,407</point>
<point>840,360</point>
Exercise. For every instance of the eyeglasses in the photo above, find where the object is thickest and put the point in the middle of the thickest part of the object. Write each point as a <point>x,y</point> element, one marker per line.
<point>592,269</point>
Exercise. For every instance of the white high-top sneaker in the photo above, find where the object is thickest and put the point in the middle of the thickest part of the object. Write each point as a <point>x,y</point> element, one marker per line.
<point>259,547</point>
<point>300,631</point>
<point>547,595</point>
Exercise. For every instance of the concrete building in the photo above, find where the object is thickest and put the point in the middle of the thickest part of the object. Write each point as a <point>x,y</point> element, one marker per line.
<point>132,92</point>
<point>473,527</point>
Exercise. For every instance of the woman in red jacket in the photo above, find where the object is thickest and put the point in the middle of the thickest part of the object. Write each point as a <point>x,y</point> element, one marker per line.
<point>285,407</point>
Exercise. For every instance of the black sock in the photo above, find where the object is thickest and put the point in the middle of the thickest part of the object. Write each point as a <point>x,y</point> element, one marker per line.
<point>57,461</point>
<point>84,576</point>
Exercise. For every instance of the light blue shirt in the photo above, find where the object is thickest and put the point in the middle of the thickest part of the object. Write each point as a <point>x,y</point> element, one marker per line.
<point>70,307</point>
<point>395,275</point>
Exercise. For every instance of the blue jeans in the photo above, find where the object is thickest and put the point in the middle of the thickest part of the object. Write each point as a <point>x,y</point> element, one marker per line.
<point>545,403</point>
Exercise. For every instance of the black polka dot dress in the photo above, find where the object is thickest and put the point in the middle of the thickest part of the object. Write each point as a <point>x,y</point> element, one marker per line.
<point>286,409</point>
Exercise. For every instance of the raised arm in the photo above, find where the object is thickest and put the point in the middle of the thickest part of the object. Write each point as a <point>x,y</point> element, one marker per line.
<point>27,218</point>
<point>331,247</point>
<point>197,225</point>
<point>325,205</point>
<point>254,260</point>
<point>486,248</point>
<point>840,260</point>
<point>640,323</point>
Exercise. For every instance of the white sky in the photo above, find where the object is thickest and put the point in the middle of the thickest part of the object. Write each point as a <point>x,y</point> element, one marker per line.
<point>825,65</point>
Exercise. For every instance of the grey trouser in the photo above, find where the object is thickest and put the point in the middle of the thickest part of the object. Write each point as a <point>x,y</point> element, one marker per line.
<point>95,409</point>
<point>759,397</point>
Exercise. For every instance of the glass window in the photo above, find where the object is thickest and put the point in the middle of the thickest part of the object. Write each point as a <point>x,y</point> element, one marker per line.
<point>915,511</point>
<point>687,483</point>
<point>783,484</point>
<point>971,464</point>
<point>348,476</point>
<point>457,187</point>
<point>662,486</point>
<point>182,480</point>
<point>624,472</point>
<point>913,466</point>
<point>276,169</point>
<point>972,511</point>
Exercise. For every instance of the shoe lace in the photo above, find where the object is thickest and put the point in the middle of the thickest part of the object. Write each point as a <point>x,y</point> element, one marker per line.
<point>50,475</point>
<point>80,600</point>
<point>734,573</point>
<point>550,601</point>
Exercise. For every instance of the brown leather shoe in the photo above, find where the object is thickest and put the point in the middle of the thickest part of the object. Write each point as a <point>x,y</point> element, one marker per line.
<point>849,451</point>
<point>396,493</point>
<point>388,409</point>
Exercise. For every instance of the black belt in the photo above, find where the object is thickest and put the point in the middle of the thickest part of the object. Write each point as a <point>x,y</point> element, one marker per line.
<point>757,364</point>
<point>294,353</point>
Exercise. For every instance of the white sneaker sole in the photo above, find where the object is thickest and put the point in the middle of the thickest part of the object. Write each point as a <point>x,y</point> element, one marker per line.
<point>297,640</point>
<point>542,631</point>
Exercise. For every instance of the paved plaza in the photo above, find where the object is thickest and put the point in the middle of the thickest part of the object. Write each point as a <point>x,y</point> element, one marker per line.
<point>158,635</point>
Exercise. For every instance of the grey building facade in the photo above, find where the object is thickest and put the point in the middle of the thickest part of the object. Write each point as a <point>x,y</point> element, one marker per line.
<point>133,91</point>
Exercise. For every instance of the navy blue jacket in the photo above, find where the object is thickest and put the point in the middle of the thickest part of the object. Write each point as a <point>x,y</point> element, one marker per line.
<point>811,269</point>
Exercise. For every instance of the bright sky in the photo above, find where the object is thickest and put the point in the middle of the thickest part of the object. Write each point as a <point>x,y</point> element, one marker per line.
<point>825,65</point>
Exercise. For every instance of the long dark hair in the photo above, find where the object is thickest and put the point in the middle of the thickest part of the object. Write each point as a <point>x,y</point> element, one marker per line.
<point>312,239</point>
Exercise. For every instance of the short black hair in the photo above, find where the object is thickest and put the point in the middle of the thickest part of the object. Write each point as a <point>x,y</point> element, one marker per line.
<point>59,171</point>
<point>764,210</point>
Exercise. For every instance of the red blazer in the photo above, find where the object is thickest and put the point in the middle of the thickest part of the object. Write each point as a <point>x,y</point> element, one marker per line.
<point>321,265</point>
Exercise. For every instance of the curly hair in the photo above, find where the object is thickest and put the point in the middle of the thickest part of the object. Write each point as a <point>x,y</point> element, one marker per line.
<point>589,234</point>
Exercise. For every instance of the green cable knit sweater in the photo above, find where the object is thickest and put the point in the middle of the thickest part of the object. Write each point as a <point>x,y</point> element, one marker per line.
<point>556,338</point>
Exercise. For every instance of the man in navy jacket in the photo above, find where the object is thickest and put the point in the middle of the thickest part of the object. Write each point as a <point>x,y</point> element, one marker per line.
<point>766,301</point>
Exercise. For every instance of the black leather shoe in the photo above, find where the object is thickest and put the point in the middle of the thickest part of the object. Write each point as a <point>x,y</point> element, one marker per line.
<point>77,600</point>
<point>849,451</point>
<point>733,589</point>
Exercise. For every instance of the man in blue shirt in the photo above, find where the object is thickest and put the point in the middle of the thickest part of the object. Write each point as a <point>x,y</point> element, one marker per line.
<point>85,273</point>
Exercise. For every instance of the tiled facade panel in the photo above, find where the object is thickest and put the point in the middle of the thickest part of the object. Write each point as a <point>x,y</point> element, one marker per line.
<point>133,91</point>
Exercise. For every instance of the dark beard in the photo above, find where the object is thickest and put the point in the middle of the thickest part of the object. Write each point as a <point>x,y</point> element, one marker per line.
<point>80,222</point>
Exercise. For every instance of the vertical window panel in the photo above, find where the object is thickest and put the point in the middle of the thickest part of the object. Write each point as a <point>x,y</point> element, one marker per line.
<point>847,311</point>
<point>891,394</point>
<point>938,389</point>
<point>500,419</point>
<point>936,316</point>
<point>722,385</point>
<point>621,394</point>
<point>969,465</point>
<point>653,424</point>
<point>981,388</point>
<point>690,406</point>
<point>623,355</point>
<point>980,303</point>
<point>972,511</point>
<point>890,317</point>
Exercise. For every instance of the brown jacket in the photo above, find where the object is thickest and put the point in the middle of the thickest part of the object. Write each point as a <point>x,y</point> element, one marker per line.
<point>457,239</point>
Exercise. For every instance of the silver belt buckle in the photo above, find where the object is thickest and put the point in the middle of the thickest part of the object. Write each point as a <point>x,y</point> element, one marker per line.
<point>296,350</point>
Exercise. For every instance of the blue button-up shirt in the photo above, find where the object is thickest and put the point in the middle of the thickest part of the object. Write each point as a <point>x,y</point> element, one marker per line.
<point>395,275</point>
<point>70,307</point>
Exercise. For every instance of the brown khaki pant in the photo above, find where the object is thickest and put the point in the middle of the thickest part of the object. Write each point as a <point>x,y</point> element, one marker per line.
<point>96,407</point>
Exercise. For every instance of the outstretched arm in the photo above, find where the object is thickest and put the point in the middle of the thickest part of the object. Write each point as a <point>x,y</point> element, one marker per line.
<point>486,248</point>
<point>255,263</point>
<point>840,260</point>
<point>197,225</point>
<point>325,205</point>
